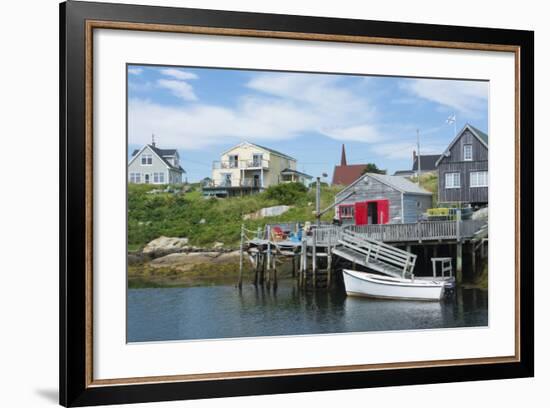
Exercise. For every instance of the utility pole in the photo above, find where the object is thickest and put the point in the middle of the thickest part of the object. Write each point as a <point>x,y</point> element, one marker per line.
<point>418,156</point>
<point>318,201</point>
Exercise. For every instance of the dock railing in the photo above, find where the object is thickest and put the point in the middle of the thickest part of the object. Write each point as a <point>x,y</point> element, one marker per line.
<point>421,231</point>
<point>378,252</point>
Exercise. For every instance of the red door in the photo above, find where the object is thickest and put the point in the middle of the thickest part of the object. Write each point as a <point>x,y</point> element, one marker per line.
<point>383,211</point>
<point>360,213</point>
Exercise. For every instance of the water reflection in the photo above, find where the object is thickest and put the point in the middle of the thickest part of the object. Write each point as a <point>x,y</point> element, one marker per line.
<point>225,312</point>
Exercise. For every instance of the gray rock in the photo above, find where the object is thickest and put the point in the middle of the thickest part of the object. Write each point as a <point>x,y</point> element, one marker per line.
<point>267,212</point>
<point>165,245</point>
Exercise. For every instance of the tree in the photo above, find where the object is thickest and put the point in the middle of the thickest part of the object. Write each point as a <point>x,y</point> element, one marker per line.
<point>372,168</point>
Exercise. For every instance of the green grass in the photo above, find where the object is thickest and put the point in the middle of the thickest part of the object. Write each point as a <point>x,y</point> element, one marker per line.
<point>180,215</point>
<point>429,182</point>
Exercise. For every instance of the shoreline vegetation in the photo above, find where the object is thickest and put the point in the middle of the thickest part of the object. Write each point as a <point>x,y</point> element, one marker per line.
<point>211,228</point>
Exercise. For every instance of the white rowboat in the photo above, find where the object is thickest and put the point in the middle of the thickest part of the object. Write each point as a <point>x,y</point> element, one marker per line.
<point>371,285</point>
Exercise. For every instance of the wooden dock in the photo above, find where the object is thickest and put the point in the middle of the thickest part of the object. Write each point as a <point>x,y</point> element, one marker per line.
<point>374,247</point>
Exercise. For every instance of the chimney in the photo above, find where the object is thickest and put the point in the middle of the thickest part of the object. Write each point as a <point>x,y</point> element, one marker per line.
<point>153,140</point>
<point>343,161</point>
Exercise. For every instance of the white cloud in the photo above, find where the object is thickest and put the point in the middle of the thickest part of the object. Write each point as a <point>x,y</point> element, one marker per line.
<point>181,89</point>
<point>135,71</point>
<point>402,150</point>
<point>280,106</point>
<point>467,97</point>
<point>360,133</point>
<point>178,73</point>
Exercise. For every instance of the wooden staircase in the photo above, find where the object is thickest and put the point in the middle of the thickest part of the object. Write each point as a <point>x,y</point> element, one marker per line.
<point>375,255</point>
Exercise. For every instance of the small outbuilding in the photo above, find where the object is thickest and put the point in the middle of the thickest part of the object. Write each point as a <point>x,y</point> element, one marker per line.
<point>381,199</point>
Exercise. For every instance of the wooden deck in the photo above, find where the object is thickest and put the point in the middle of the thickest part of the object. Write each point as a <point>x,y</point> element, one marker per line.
<point>372,246</point>
<point>329,235</point>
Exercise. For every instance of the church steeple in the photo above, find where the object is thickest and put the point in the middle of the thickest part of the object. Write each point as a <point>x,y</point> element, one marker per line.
<point>343,161</point>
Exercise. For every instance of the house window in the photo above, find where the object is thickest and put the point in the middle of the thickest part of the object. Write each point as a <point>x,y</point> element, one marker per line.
<point>346,211</point>
<point>226,179</point>
<point>468,152</point>
<point>158,178</point>
<point>479,179</point>
<point>146,159</point>
<point>135,178</point>
<point>233,161</point>
<point>257,160</point>
<point>452,180</point>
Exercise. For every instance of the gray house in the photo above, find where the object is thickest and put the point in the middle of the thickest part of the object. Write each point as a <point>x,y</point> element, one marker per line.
<point>381,199</point>
<point>151,165</point>
<point>427,165</point>
<point>463,169</point>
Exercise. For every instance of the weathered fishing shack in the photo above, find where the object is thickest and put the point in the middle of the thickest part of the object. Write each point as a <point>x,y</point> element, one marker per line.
<point>381,199</point>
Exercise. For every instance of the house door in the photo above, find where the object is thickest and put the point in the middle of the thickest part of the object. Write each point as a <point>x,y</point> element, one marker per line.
<point>256,180</point>
<point>372,212</point>
<point>361,213</point>
<point>147,181</point>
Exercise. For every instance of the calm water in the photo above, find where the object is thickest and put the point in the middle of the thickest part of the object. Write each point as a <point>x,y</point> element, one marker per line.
<point>223,312</point>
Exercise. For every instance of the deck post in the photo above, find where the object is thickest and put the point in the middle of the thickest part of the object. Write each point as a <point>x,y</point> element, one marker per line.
<point>269,257</point>
<point>241,258</point>
<point>262,270</point>
<point>459,262</point>
<point>329,266</point>
<point>274,273</point>
<point>458,223</point>
<point>256,268</point>
<point>303,262</point>
<point>474,270</point>
<point>314,258</point>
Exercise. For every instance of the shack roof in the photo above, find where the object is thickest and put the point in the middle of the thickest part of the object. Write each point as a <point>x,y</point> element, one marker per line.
<point>399,183</point>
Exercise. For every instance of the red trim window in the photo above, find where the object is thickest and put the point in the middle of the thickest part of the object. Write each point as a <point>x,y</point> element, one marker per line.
<point>346,211</point>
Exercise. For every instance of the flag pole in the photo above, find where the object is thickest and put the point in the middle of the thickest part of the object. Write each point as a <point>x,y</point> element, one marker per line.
<point>454,116</point>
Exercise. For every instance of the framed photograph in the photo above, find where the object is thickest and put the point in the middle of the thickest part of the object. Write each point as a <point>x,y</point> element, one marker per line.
<point>256,203</point>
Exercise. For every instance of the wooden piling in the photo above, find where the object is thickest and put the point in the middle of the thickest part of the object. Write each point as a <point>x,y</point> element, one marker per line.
<point>474,269</point>
<point>262,269</point>
<point>329,266</point>
<point>314,259</point>
<point>275,284</point>
<point>257,269</point>
<point>240,284</point>
<point>459,262</point>
<point>304,262</point>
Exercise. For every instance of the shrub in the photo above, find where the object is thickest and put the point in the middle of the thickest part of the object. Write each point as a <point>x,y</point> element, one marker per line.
<point>289,193</point>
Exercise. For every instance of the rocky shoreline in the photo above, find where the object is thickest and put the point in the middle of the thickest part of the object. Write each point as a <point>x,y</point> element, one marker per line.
<point>171,262</point>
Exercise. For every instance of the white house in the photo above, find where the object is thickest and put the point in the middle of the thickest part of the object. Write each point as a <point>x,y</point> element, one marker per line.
<point>248,168</point>
<point>151,165</point>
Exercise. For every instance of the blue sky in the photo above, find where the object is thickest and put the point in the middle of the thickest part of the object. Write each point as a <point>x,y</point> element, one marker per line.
<point>204,111</point>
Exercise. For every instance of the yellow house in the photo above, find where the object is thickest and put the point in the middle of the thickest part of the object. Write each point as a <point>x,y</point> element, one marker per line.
<point>248,168</point>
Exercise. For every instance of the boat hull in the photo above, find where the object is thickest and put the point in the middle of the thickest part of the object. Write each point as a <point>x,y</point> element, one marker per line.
<point>370,285</point>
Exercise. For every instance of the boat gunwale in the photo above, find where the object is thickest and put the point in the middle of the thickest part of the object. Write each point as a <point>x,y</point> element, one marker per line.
<point>392,281</point>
